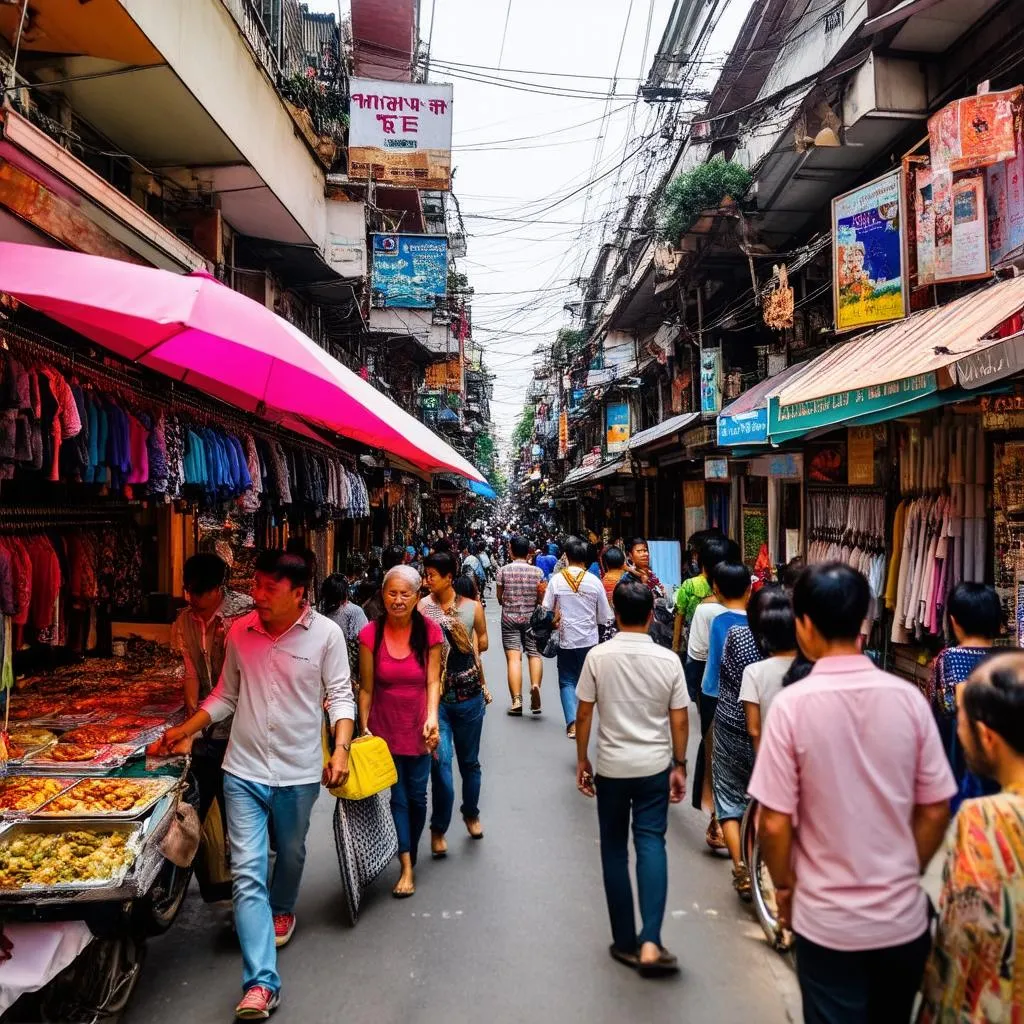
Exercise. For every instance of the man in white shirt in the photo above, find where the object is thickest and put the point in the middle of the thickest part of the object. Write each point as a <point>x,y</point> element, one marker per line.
<point>281,664</point>
<point>640,693</point>
<point>579,600</point>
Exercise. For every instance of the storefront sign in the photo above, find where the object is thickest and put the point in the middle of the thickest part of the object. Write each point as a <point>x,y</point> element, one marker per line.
<point>400,133</point>
<point>716,469</point>
<point>860,456</point>
<point>616,426</point>
<point>780,466</point>
<point>699,437</point>
<point>711,381</point>
<point>869,279</point>
<point>991,364</point>
<point>830,410</point>
<point>409,271</point>
<point>744,428</point>
<point>975,131</point>
<point>446,505</point>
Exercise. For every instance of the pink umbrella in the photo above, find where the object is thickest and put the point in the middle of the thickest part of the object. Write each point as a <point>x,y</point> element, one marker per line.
<point>194,329</point>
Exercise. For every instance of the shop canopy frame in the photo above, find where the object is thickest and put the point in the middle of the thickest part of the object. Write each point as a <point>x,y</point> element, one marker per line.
<point>195,330</point>
<point>902,369</point>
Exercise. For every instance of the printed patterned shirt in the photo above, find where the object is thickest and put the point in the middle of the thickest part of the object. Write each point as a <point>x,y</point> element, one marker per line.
<point>518,582</point>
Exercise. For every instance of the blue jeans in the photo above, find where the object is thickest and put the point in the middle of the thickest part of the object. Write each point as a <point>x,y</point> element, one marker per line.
<point>460,727</point>
<point>252,807</point>
<point>570,665</point>
<point>409,800</point>
<point>647,800</point>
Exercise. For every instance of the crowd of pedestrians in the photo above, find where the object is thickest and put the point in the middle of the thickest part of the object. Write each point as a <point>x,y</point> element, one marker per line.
<point>855,772</point>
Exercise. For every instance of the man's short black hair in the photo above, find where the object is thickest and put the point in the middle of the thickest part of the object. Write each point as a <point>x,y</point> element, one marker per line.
<point>204,572</point>
<point>392,556</point>
<point>442,562</point>
<point>576,551</point>
<point>713,550</point>
<point>443,545</point>
<point>636,542</point>
<point>977,609</point>
<point>633,602</point>
<point>282,566</point>
<point>732,579</point>
<point>520,546</point>
<point>834,597</point>
<point>770,616</point>
<point>614,558</point>
<point>998,700</point>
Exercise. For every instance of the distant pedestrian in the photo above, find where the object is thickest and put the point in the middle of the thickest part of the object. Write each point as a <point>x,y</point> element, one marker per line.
<point>640,695</point>
<point>580,605</point>
<point>976,970</point>
<point>854,791</point>
<point>775,632</point>
<point>518,592</point>
<point>546,562</point>
<point>335,604</point>
<point>976,619</point>
<point>374,606</point>
<point>614,569</point>
<point>638,564</point>
<point>399,695</point>
<point>461,711</point>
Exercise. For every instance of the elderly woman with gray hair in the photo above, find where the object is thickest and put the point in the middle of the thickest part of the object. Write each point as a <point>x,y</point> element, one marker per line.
<point>400,689</point>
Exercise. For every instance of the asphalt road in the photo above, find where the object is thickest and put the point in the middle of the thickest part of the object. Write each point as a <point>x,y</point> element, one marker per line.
<point>511,929</point>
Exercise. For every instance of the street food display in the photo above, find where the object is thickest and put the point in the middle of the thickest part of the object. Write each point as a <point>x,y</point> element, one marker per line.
<point>65,752</point>
<point>107,798</point>
<point>26,794</point>
<point>24,741</point>
<point>62,858</point>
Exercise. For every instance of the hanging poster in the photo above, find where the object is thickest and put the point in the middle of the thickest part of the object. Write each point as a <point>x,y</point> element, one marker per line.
<point>711,381</point>
<point>755,531</point>
<point>869,283</point>
<point>616,426</point>
<point>860,456</point>
<point>976,131</point>
<point>924,214</point>
<point>942,206</point>
<point>716,468</point>
<point>400,133</point>
<point>409,271</point>
<point>1004,193</point>
<point>963,243</point>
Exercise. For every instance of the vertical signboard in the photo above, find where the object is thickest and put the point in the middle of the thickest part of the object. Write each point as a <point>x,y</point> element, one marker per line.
<point>616,426</point>
<point>860,456</point>
<point>868,273</point>
<point>711,381</point>
<point>409,271</point>
<point>400,133</point>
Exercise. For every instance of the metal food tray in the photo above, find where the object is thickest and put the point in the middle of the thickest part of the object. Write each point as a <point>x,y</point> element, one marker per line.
<point>8,813</point>
<point>20,828</point>
<point>160,789</point>
<point>32,751</point>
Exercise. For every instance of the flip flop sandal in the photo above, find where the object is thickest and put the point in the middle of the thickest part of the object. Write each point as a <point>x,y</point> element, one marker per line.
<point>402,895</point>
<point>628,959</point>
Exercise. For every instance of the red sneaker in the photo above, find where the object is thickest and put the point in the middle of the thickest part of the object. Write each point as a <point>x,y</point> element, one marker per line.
<point>284,929</point>
<point>257,1004</point>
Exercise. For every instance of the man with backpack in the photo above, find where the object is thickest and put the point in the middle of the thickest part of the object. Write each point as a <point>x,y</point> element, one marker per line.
<point>580,604</point>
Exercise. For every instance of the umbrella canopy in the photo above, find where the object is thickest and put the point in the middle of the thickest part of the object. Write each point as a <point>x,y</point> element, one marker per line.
<point>195,330</point>
<point>482,490</point>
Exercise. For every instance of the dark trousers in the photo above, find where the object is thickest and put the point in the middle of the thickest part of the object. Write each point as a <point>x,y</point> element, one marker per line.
<point>207,770</point>
<point>703,762</point>
<point>871,986</point>
<point>646,800</point>
<point>409,800</point>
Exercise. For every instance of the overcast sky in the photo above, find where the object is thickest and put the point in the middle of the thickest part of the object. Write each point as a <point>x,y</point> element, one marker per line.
<point>518,154</point>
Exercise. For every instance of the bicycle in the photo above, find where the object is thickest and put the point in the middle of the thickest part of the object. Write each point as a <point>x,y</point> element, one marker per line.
<point>762,889</point>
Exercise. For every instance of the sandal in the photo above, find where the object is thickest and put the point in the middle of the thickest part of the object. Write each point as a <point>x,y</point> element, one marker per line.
<point>516,711</point>
<point>628,959</point>
<point>403,894</point>
<point>742,884</point>
<point>535,699</point>
<point>713,837</point>
<point>570,731</point>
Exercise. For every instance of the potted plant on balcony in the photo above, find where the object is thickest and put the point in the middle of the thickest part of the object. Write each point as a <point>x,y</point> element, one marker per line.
<point>319,109</point>
<point>693,199</point>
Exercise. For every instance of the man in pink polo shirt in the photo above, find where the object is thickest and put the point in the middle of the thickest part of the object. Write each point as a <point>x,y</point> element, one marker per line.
<point>855,791</point>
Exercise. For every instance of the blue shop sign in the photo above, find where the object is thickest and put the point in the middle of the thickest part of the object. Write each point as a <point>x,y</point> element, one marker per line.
<point>743,428</point>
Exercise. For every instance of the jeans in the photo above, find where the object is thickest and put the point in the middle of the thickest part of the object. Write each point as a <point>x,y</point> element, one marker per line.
<point>871,986</point>
<point>409,800</point>
<point>570,665</point>
<point>251,808</point>
<point>460,725</point>
<point>647,800</point>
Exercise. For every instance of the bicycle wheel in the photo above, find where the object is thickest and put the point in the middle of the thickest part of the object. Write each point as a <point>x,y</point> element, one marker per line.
<point>762,889</point>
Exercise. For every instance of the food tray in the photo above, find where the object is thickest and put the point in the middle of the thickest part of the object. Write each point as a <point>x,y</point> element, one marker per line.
<point>158,788</point>
<point>39,748</point>
<point>10,812</point>
<point>22,828</point>
<point>42,763</point>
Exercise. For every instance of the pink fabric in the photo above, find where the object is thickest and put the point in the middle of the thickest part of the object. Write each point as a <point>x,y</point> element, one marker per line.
<point>194,329</point>
<point>138,435</point>
<point>849,752</point>
<point>399,694</point>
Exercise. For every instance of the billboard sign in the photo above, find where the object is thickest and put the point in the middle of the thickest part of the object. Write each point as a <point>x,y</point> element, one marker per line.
<point>409,271</point>
<point>617,426</point>
<point>400,133</point>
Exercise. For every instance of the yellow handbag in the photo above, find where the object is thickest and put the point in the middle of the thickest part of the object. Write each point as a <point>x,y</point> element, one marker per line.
<point>370,768</point>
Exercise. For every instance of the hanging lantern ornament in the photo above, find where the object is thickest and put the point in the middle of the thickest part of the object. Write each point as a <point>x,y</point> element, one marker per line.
<point>778,306</point>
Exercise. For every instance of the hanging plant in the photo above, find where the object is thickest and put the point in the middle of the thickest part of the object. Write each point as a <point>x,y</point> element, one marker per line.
<point>324,102</point>
<point>688,195</point>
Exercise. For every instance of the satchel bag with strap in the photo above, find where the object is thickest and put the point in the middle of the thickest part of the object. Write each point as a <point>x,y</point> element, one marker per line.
<point>371,768</point>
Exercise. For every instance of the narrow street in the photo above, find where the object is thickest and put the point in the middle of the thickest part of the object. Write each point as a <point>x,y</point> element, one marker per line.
<point>513,928</point>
